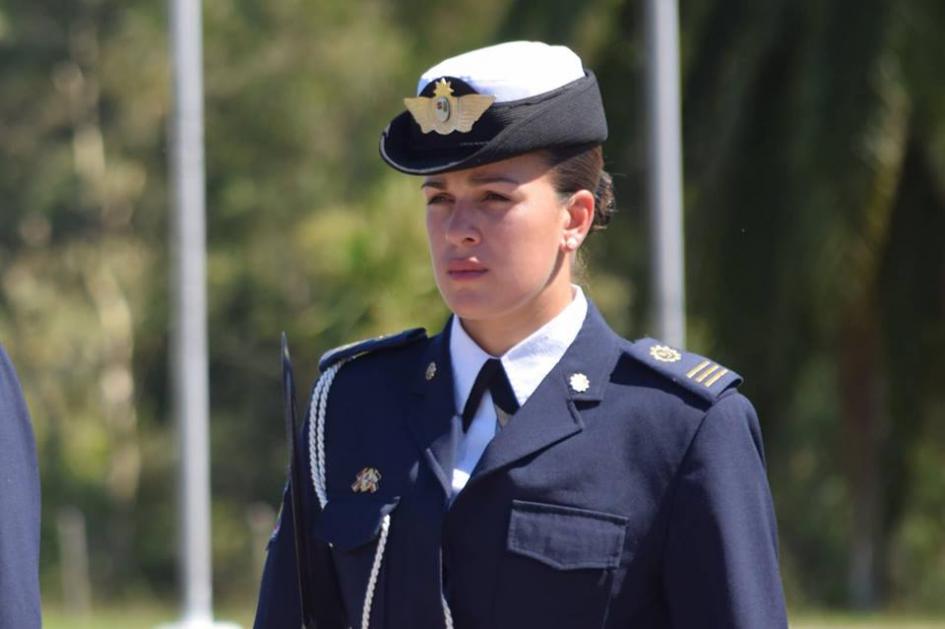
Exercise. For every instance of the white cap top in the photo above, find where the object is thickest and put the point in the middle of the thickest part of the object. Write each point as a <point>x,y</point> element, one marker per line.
<point>512,70</point>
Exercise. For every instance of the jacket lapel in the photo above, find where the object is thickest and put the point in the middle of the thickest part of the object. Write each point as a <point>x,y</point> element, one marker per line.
<point>432,409</point>
<point>550,414</point>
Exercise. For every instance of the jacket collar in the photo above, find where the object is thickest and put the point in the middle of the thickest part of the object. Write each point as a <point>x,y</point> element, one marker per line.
<point>432,410</point>
<point>548,416</point>
<point>528,362</point>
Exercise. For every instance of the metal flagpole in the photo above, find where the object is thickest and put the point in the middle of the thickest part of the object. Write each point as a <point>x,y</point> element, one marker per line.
<point>189,327</point>
<point>667,264</point>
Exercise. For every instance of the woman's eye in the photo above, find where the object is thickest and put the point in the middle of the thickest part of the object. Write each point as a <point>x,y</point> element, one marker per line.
<point>495,196</point>
<point>437,198</point>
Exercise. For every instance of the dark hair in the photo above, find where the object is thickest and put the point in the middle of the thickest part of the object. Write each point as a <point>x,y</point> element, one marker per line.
<point>582,168</point>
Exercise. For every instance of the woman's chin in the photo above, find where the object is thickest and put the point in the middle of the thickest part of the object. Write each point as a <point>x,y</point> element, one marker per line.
<point>469,310</point>
<point>471,305</point>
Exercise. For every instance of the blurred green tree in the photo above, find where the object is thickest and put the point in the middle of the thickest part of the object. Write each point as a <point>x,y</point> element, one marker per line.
<point>815,192</point>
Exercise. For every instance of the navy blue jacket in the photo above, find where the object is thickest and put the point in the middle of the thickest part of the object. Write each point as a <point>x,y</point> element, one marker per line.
<point>19,507</point>
<point>638,502</point>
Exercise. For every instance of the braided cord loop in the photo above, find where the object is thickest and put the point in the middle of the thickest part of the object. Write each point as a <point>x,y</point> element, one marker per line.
<point>318,409</point>
<point>447,614</point>
<point>316,431</point>
<point>375,570</point>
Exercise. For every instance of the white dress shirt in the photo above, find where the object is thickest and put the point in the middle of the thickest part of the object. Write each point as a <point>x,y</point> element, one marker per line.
<point>526,365</point>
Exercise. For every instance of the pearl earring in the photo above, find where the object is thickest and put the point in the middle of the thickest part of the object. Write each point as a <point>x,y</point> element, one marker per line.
<point>571,243</point>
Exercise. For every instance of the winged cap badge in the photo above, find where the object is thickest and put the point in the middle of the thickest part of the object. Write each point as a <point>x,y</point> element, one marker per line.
<point>445,113</point>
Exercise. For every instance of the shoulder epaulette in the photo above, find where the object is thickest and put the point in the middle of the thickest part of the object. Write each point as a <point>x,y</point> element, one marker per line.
<point>698,374</point>
<point>387,341</point>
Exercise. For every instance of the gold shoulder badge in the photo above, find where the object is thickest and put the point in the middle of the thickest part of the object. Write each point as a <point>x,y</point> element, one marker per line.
<point>665,354</point>
<point>445,113</point>
<point>366,481</point>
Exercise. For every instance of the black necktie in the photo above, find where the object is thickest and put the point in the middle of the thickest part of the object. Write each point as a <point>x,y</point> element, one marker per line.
<point>492,378</point>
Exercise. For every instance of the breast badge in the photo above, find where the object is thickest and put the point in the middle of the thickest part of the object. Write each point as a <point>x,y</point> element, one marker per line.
<point>366,481</point>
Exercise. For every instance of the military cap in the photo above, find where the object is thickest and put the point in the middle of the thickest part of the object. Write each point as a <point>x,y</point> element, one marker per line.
<point>494,103</point>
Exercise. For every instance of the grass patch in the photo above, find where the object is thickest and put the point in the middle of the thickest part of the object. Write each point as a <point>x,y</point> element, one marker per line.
<point>135,616</point>
<point>149,616</point>
<point>864,621</point>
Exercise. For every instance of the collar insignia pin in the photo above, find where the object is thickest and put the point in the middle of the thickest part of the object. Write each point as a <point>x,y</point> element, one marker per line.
<point>431,371</point>
<point>366,481</point>
<point>665,354</point>
<point>579,382</point>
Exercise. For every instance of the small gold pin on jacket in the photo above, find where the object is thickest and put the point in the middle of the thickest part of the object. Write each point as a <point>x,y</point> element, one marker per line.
<point>366,481</point>
<point>665,354</point>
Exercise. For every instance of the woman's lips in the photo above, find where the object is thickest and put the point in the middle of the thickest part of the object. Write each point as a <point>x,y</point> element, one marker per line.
<point>465,270</point>
<point>466,275</point>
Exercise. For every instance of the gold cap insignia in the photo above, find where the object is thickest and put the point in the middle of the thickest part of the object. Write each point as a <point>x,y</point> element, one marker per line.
<point>665,354</point>
<point>431,371</point>
<point>366,481</point>
<point>579,382</point>
<point>445,113</point>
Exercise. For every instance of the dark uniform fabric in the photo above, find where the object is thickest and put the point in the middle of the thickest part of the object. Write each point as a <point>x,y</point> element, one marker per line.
<point>19,507</point>
<point>639,500</point>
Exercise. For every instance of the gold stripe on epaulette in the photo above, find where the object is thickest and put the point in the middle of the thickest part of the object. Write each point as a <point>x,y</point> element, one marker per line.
<point>707,373</point>
<point>697,368</point>
<point>702,376</point>
<point>715,378</point>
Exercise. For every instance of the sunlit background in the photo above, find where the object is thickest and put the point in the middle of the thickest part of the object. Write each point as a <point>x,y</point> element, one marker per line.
<point>814,156</point>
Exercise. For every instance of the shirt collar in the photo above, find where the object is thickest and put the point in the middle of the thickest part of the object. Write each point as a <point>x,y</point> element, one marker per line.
<point>528,362</point>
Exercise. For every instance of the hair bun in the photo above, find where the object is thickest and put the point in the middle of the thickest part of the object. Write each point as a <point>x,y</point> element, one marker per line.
<point>605,202</point>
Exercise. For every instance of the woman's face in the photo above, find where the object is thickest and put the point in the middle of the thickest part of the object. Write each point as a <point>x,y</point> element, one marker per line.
<point>497,236</point>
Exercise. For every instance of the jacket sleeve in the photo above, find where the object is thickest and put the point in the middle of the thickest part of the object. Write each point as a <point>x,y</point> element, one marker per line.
<point>721,555</point>
<point>19,507</point>
<point>279,606</point>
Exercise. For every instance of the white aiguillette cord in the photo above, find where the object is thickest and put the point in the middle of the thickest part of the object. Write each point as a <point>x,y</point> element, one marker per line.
<point>316,449</point>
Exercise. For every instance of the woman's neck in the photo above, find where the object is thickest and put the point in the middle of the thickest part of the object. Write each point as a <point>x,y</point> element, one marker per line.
<point>496,336</point>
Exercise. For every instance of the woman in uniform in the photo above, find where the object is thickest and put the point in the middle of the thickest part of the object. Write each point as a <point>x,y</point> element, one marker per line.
<point>525,467</point>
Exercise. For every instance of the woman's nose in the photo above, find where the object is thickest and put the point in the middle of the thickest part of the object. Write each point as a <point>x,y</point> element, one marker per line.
<point>461,226</point>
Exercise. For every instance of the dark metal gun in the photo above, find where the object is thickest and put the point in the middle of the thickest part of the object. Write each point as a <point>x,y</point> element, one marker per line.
<point>295,488</point>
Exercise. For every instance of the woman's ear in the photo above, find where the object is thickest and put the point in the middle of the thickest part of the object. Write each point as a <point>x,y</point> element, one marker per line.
<point>578,219</point>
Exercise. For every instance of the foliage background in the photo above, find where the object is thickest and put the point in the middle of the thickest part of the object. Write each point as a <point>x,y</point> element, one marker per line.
<point>815,195</point>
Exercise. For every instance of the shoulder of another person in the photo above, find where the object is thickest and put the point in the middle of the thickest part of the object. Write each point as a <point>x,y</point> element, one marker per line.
<point>691,372</point>
<point>344,353</point>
